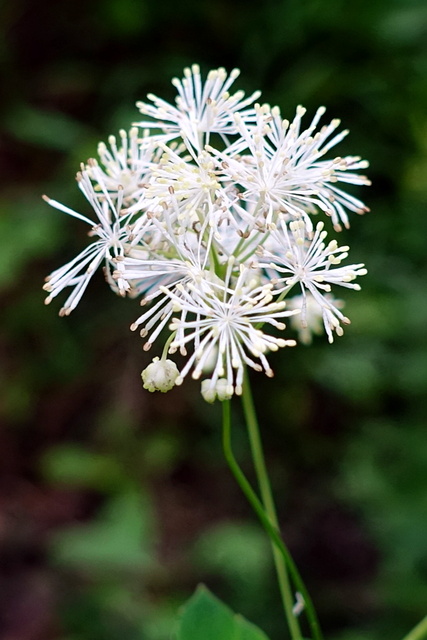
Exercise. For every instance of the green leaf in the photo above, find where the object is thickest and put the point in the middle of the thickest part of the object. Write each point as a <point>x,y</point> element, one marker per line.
<point>120,538</point>
<point>43,128</point>
<point>204,616</point>
<point>220,549</point>
<point>73,465</point>
<point>419,632</point>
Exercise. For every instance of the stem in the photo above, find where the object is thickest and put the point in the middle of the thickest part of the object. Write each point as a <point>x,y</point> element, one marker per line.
<point>167,345</point>
<point>218,269</point>
<point>270,509</point>
<point>419,632</point>
<point>265,236</point>
<point>272,531</point>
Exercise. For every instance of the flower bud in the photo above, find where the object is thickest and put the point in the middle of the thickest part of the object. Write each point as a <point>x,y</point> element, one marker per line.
<point>221,390</point>
<point>160,375</point>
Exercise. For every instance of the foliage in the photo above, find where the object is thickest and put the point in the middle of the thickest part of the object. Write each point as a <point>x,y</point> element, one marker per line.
<point>204,616</point>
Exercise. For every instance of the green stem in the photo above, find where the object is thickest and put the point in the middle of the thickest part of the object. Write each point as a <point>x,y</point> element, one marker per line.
<point>419,632</point>
<point>167,345</point>
<point>268,502</point>
<point>272,531</point>
<point>218,269</point>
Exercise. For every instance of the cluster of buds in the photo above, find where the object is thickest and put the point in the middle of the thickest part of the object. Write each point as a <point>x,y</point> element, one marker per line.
<point>206,211</point>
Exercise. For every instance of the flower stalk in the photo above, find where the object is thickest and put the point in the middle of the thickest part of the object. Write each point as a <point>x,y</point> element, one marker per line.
<point>275,537</point>
<point>419,632</point>
<point>269,506</point>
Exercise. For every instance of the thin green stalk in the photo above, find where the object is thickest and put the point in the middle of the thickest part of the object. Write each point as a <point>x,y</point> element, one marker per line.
<point>218,269</point>
<point>270,509</point>
<point>167,345</point>
<point>419,632</point>
<point>267,498</point>
<point>272,532</point>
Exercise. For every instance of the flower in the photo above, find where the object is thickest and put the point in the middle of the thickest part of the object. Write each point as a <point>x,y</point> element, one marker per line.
<point>224,318</point>
<point>207,216</point>
<point>280,167</point>
<point>201,109</point>
<point>193,182</point>
<point>123,169</point>
<point>175,277</point>
<point>111,234</point>
<point>310,322</point>
<point>305,258</point>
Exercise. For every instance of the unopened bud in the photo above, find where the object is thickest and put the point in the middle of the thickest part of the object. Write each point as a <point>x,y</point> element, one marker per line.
<point>160,375</point>
<point>222,390</point>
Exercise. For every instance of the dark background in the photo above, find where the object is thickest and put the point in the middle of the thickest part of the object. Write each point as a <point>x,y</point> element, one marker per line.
<point>115,503</point>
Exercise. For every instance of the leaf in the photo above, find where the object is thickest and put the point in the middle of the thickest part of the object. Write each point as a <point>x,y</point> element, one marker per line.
<point>204,616</point>
<point>73,465</point>
<point>43,128</point>
<point>220,549</point>
<point>27,231</point>
<point>120,538</point>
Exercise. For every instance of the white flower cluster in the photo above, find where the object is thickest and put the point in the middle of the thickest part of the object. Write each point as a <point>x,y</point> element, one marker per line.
<point>205,210</point>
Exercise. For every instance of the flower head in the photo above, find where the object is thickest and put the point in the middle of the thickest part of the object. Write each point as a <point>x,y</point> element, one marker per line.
<point>123,168</point>
<point>109,234</point>
<point>207,215</point>
<point>224,318</point>
<point>201,109</point>
<point>280,166</point>
<point>310,322</point>
<point>301,257</point>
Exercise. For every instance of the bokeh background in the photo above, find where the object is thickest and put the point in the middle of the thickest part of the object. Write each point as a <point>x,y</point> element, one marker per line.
<point>115,503</point>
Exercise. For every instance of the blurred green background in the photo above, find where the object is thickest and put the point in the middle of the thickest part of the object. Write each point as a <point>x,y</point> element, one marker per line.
<point>115,503</point>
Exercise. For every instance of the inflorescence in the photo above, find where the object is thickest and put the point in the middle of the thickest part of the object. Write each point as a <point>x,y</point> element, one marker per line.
<point>206,210</point>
